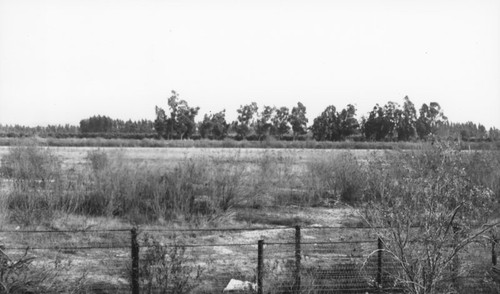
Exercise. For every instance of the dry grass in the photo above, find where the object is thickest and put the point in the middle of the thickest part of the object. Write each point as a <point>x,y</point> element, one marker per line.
<point>113,188</point>
<point>154,184</point>
<point>226,143</point>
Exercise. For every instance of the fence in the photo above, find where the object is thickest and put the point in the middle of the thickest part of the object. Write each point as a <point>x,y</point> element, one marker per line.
<point>274,260</point>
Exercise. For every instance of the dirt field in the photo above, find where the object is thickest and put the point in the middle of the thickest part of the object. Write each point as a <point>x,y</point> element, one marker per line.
<point>76,155</point>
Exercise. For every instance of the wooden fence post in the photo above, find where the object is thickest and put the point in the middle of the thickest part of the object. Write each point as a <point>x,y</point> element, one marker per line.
<point>380,247</point>
<point>135,261</point>
<point>260,266</point>
<point>493,251</point>
<point>297,285</point>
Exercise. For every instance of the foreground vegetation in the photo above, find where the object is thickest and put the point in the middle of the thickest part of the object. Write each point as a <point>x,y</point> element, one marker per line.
<point>108,183</point>
<point>436,200</point>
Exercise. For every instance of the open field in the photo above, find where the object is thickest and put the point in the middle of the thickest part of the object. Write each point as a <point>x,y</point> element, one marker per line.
<point>231,143</point>
<point>86,199</point>
<point>255,175</point>
<point>72,156</point>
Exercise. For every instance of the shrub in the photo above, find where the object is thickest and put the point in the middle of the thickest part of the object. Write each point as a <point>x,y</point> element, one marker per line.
<point>29,207</point>
<point>143,193</point>
<point>22,276</point>
<point>167,268</point>
<point>430,210</point>
<point>349,178</point>
<point>98,159</point>
<point>32,163</point>
<point>483,168</point>
<point>336,178</point>
<point>37,176</point>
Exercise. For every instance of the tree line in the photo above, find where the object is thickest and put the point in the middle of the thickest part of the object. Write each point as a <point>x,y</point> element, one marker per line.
<point>389,122</point>
<point>105,124</point>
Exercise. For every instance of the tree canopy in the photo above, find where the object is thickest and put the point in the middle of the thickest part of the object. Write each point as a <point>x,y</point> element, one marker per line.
<point>179,122</point>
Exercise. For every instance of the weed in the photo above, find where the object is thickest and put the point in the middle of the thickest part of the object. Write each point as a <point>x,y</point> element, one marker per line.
<point>98,159</point>
<point>167,268</point>
<point>21,276</point>
<point>37,174</point>
<point>335,178</point>
<point>30,164</point>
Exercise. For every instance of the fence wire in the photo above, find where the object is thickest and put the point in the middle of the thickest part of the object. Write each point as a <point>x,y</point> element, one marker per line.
<point>313,260</point>
<point>89,261</point>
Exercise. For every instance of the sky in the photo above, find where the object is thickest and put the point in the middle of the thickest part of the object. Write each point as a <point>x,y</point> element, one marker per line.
<point>65,60</point>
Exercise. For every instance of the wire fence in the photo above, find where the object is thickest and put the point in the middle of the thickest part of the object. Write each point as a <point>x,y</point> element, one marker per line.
<point>271,260</point>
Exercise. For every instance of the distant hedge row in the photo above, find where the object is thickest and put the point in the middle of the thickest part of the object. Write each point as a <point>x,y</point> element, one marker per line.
<point>137,136</point>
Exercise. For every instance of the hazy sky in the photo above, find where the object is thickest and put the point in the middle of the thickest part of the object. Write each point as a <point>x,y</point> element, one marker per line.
<point>62,61</point>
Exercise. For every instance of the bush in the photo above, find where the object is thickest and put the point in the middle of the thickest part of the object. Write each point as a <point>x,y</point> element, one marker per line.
<point>22,276</point>
<point>30,162</point>
<point>29,207</point>
<point>37,176</point>
<point>483,168</point>
<point>98,159</point>
<point>338,178</point>
<point>167,268</point>
<point>191,188</point>
<point>349,178</point>
<point>431,211</point>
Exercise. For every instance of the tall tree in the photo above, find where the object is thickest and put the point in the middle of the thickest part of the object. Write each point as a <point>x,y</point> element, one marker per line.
<point>180,123</point>
<point>326,126</point>
<point>376,126</point>
<point>280,121</point>
<point>494,134</point>
<point>392,118</point>
<point>298,120</point>
<point>406,128</point>
<point>391,122</point>
<point>96,124</point>
<point>263,125</point>
<point>348,124</point>
<point>214,126</point>
<point>431,117</point>
<point>246,115</point>
<point>185,125</point>
<point>334,126</point>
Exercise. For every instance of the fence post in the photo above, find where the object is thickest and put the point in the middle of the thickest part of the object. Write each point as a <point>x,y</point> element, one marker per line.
<point>296,286</point>
<point>135,261</point>
<point>260,266</point>
<point>456,260</point>
<point>493,251</point>
<point>380,247</point>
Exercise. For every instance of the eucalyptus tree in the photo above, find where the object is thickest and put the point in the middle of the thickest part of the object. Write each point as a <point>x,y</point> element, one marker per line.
<point>263,125</point>
<point>214,126</point>
<point>332,125</point>
<point>431,117</point>
<point>246,118</point>
<point>406,128</point>
<point>326,126</point>
<point>179,122</point>
<point>280,122</point>
<point>298,120</point>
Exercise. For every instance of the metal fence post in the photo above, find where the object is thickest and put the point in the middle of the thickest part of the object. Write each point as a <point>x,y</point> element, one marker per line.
<point>260,266</point>
<point>380,247</point>
<point>296,286</point>
<point>135,261</point>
